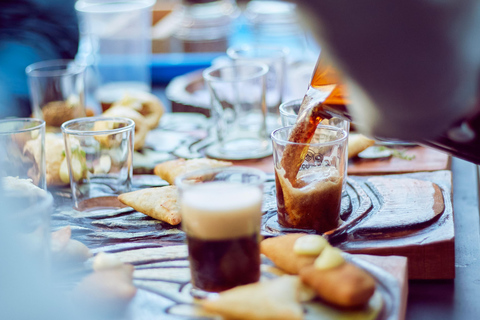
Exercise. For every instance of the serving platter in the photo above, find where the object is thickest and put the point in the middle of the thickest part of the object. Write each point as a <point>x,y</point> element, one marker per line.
<point>162,277</point>
<point>382,216</point>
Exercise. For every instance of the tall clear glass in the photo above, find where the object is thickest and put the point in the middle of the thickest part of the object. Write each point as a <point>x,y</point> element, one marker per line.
<point>239,110</point>
<point>115,45</point>
<point>275,58</point>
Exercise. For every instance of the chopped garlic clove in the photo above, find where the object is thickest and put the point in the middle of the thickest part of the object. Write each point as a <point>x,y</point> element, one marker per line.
<point>310,245</point>
<point>329,258</point>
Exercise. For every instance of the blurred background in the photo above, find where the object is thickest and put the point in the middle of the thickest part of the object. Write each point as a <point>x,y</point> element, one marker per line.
<point>148,42</point>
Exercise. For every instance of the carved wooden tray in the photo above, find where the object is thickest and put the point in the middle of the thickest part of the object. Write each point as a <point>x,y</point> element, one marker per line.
<point>163,278</point>
<point>394,215</point>
<point>383,216</point>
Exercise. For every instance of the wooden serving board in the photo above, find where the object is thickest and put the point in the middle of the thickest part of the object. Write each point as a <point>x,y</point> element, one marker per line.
<point>408,215</point>
<point>162,277</point>
<point>377,220</point>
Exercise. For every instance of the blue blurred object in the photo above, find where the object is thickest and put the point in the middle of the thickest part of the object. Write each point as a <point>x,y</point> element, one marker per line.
<point>263,22</point>
<point>166,66</point>
<point>31,31</point>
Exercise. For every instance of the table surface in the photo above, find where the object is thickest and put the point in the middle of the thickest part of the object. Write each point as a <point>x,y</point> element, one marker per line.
<point>447,299</point>
<point>459,298</point>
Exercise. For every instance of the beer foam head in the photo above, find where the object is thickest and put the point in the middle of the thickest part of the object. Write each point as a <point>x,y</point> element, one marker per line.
<point>221,210</point>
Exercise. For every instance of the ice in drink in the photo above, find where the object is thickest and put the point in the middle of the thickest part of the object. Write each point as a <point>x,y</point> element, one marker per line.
<point>313,202</point>
<point>309,171</point>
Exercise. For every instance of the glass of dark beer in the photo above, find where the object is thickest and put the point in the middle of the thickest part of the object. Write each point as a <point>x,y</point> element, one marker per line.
<point>221,214</point>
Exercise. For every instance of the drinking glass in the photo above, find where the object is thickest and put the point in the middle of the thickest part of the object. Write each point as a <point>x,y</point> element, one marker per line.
<point>22,141</point>
<point>99,152</point>
<point>289,113</point>
<point>221,214</point>
<point>274,57</point>
<point>310,198</point>
<point>57,91</point>
<point>115,44</point>
<point>238,109</point>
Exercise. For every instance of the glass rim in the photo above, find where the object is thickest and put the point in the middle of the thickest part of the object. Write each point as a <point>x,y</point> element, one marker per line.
<point>232,52</point>
<point>317,144</point>
<point>179,181</point>
<point>130,124</point>
<point>35,69</point>
<point>86,7</point>
<point>262,72</point>
<point>282,106</point>
<point>40,124</point>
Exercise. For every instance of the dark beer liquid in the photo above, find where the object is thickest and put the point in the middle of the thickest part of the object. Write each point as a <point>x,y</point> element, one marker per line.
<point>218,265</point>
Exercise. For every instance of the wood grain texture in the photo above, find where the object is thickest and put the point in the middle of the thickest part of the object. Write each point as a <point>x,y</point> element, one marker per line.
<point>430,248</point>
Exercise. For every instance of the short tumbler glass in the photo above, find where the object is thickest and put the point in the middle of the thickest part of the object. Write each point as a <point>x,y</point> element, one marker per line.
<point>99,154</point>
<point>57,91</point>
<point>238,110</point>
<point>275,58</point>
<point>221,214</point>
<point>289,113</point>
<point>22,140</point>
<point>309,190</point>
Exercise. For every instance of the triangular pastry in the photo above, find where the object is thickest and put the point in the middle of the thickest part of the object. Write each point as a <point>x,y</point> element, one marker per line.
<point>159,203</point>
<point>272,299</point>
